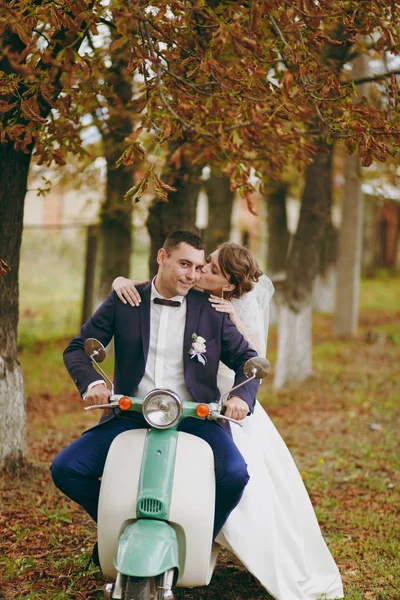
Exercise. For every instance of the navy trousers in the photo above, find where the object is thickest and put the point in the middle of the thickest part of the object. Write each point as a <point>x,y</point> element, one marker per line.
<point>76,469</point>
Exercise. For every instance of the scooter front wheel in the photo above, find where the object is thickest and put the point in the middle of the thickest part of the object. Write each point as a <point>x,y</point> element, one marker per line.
<point>141,588</point>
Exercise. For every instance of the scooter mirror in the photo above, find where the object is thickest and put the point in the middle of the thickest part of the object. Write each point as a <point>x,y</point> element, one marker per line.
<point>257,366</point>
<point>96,349</point>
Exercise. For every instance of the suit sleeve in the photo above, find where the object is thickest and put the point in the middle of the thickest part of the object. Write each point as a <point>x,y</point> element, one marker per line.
<point>235,352</point>
<point>99,326</point>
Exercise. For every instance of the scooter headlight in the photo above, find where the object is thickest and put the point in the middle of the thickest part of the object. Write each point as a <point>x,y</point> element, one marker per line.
<point>162,408</point>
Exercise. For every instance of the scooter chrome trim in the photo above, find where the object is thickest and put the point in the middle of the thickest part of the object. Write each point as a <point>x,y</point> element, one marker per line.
<point>153,406</point>
<point>165,587</point>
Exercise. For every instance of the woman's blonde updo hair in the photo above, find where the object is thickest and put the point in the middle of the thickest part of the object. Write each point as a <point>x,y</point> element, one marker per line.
<point>239,266</point>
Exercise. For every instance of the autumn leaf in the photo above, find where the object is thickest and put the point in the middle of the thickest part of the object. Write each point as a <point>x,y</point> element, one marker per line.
<point>46,95</point>
<point>137,191</point>
<point>161,188</point>
<point>367,160</point>
<point>250,203</point>
<point>24,35</point>
<point>6,107</point>
<point>130,155</point>
<point>30,110</point>
<point>287,82</point>
<point>118,43</point>
<point>4,268</point>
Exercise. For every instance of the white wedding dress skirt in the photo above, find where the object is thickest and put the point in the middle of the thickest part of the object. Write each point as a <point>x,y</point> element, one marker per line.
<point>273,530</point>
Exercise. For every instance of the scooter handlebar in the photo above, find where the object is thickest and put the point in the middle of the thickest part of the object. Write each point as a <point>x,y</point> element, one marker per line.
<point>113,402</point>
<point>102,406</point>
<point>216,413</point>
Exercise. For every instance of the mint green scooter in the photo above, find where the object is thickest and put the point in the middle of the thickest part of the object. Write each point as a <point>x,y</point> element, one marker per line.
<point>157,497</point>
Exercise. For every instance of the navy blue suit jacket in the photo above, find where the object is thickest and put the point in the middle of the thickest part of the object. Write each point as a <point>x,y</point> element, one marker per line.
<point>130,327</point>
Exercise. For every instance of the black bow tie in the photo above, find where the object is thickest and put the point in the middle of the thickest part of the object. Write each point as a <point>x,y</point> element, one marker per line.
<point>165,302</point>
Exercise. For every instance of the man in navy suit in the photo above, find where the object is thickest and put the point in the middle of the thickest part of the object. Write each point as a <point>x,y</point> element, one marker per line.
<point>152,349</point>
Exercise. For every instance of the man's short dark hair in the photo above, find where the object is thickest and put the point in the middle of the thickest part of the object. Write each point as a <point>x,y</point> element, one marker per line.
<point>186,237</point>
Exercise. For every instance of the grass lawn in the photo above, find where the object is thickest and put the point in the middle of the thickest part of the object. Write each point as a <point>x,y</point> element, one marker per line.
<point>342,427</point>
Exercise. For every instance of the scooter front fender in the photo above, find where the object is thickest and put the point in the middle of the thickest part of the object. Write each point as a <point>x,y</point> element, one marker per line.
<point>147,548</point>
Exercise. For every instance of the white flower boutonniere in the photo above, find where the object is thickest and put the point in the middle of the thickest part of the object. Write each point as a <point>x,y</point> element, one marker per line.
<point>198,348</point>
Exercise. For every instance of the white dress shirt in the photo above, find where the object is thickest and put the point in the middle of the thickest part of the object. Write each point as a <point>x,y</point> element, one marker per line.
<point>164,366</point>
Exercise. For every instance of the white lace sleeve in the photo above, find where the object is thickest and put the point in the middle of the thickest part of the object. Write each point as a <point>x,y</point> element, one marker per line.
<point>253,311</point>
<point>248,311</point>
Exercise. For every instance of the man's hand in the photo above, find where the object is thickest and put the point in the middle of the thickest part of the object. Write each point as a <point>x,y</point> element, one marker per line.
<point>98,394</point>
<point>236,408</point>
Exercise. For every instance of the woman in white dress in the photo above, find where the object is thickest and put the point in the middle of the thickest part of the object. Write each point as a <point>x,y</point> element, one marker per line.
<point>273,530</point>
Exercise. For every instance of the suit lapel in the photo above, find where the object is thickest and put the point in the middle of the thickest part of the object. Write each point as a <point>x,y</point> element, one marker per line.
<point>192,319</point>
<point>144,308</point>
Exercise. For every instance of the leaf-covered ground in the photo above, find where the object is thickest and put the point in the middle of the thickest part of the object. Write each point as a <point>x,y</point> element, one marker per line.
<point>342,427</point>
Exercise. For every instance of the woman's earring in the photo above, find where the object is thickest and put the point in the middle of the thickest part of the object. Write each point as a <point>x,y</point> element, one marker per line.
<point>222,294</point>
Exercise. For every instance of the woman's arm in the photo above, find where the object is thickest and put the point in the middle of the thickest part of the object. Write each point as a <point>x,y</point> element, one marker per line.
<point>126,290</point>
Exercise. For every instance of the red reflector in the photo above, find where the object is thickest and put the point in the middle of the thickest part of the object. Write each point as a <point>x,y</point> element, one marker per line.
<point>125,403</point>
<point>202,410</point>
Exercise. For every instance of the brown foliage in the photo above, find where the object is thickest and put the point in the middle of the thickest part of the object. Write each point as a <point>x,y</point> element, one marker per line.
<point>250,84</point>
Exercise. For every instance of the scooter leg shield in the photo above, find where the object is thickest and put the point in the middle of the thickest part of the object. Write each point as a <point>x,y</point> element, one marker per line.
<point>147,548</point>
<point>118,494</point>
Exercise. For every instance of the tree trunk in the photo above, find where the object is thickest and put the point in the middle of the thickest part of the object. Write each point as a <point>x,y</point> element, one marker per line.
<point>350,246</point>
<point>115,233</point>
<point>90,272</point>
<point>351,233</point>
<point>294,345</point>
<point>368,265</point>
<point>220,203</point>
<point>180,210</point>
<point>14,168</point>
<point>325,283</point>
<point>278,233</point>
<point>294,331</point>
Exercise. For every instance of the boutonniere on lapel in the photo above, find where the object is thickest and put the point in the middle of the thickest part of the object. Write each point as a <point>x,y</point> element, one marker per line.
<point>198,348</point>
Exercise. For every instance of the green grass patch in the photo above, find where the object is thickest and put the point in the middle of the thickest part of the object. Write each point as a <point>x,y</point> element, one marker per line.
<point>44,370</point>
<point>382,293</point>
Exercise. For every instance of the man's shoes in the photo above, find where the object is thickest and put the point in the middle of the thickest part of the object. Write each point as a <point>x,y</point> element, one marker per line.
<point>94,558</point>
<point>95,555</point>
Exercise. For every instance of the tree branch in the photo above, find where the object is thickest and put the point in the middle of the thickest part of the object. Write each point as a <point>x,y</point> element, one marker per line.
<point>372,78</point>
<point>277,31</point>
<point>186,126</point>
<point>310,16</point>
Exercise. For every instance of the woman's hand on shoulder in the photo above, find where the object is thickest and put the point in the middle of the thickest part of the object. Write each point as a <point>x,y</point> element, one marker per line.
<point>226,306</point>
<point>126,290</point>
